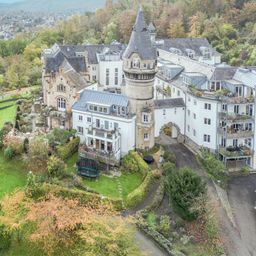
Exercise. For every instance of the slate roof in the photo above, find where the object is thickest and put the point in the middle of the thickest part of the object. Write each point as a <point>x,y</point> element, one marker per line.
<point>70,73</point>
<point>169,103</point>
<point>140,42</point>
<point>100,98</point>
<point>184,44</point>
<point>246,76</point>
<point>223,73</point>
<point>69,52</point>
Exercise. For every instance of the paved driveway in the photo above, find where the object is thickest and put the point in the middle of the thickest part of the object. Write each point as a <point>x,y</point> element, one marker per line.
<point>242,197</point>
<point>239,240</point>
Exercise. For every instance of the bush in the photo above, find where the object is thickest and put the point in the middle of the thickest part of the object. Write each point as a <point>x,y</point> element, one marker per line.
<point>136,196</point>
<point>8,153</point>
<point>5,237</point>
<point>56,167</point>
<point>132,162</point>
<point>214,167</point>
<point>157,174</point>
<point>67,150</point>
<point>164,226</point>
<point>33,189</point>
<point>59,136</point>
<point>184,188</point>
<point>151,220</point>
<point>168,168</point>
<point>169,157</point>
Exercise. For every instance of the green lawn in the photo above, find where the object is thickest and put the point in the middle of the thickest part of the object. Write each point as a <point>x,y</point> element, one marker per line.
<point>8,114</point>
<point>109,186</point>
<point>12,175</point>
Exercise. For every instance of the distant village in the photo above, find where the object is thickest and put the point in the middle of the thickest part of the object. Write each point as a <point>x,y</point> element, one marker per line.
<point>14,23</point>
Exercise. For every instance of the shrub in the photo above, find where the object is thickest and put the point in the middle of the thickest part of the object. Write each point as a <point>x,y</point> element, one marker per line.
<point>157,174</point>
<point>132,162</point>
<point>214,167</point>
<point>33,189</point>
<point>169,157</point>
<point>8,153</point>
<point>184,188</point>
<point>164,226</point>
<point>151,220</point>
<point>5,237</point>
<point>37,156</point>
<point>67,150</point>
<point>136,196</point>
<point>59,136</point>
<point>168,167</point>
<point>15,143</point>
<point>56,167</point>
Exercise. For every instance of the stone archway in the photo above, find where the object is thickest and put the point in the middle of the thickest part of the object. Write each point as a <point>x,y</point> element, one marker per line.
<point>170,134</point>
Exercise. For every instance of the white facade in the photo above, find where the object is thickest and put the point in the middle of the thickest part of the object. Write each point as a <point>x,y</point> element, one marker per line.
<point>94,130</point>
<point>174,116</point>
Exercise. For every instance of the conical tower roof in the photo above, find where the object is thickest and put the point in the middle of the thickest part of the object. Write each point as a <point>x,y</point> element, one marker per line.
<point>140,42</point>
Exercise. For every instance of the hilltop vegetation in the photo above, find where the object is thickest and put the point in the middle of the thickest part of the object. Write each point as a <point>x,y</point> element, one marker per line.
<point>229,25</point>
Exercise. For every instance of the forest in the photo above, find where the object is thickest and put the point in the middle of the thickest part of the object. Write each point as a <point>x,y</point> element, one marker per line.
<point>229,25</point>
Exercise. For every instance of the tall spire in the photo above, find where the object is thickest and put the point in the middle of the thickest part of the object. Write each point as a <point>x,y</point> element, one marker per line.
<point>140,42</point>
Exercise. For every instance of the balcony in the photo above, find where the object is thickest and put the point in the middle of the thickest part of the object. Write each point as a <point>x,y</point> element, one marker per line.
<point>235,134</point>
<point>235,117</point>
<point>102,133</point>
<point>235,152</point>
<point>101,156</point>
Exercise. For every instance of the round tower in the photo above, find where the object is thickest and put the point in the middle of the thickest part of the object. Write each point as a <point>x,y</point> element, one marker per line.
<point>140,68</point>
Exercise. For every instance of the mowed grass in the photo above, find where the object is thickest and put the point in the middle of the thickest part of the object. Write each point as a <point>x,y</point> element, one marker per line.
<point>108,186</point>
<point>12,175</point>
<point>7,114</point>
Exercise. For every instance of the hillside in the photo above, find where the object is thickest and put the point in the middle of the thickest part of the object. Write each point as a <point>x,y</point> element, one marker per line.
<point>53,5</point>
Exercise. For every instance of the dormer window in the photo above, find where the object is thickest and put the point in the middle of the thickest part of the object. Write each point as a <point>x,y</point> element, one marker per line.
<point>175,51</point>
<point>206,52</point>
<point>190,53</point>
<point>136,63</point>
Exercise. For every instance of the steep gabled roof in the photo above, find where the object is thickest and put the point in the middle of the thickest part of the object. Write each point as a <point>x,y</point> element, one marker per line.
<point>140,42</point>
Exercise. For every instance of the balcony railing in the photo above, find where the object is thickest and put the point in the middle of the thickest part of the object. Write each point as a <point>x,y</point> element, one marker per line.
<point>235,134</point>
<point>235,117</point>
<point>102,133</point>
<point>98,155</point>
<point>233,152</point>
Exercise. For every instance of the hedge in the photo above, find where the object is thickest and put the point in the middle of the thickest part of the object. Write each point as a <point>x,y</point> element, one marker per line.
<point>83,196</point>
<point>133,162</point>
<point>5,107</point>
<point>67,150</point>
<point>136,196</point>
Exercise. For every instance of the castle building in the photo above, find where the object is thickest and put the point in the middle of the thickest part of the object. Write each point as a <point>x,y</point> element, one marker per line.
<point>119,97</point>
<point>140,68</point>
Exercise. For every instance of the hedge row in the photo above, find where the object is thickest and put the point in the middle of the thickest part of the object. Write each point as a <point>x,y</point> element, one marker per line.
<point>67,150</point>
<point>137,195</point>
<point>9,100</point>
<point>83,196</point>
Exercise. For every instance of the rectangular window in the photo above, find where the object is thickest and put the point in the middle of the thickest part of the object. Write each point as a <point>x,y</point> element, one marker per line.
<point>194,132</point>
<point>80,130</point>
<point>106,125</point>
<point>207,138</point>
<point>224,107</point>
<point>207,121</point>
<point>146,136</point>
<point>116,76</point>
<point>207,106</point>
<point>115,126</point>
<point>145,118</point>
<point>98,123</point>
<point>89,120</point>
<point>178,93</point>
<point>188,112</point>
<point>80,118</point>
<point>195,102</point>
<point>94,78</point>
<point>188,128</point>
<point>194,115</point>
<point>236,109</point>
<point>107,76</point>
<point>164,112</point>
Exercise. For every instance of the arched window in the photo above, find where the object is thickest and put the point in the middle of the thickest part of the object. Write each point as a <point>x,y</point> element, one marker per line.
<point>61,103</point>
